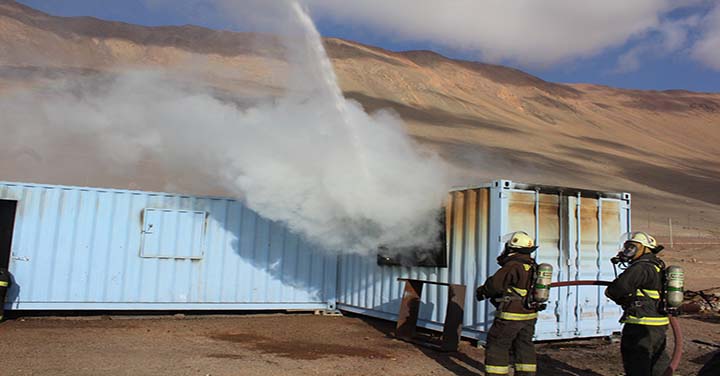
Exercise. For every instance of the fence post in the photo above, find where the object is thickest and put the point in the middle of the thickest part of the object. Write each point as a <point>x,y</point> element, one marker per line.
<point>671,232</point>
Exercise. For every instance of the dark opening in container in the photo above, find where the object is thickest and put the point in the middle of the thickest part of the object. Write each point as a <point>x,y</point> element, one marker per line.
<point>7,223</point>
<point>432,255</point>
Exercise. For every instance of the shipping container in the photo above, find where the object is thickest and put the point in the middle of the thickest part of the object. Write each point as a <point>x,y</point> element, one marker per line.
<point>72,248</point>
<point>577,232</point>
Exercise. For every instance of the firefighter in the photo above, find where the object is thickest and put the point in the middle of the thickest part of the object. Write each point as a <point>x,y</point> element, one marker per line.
<point>5,281</point>
<point>638,290</point>
<point>514,324</point>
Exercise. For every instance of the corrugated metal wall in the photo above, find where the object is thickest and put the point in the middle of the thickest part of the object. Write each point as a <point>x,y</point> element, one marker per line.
<point>82,248</point>
<point>368,288</point>
<point>577,235</point>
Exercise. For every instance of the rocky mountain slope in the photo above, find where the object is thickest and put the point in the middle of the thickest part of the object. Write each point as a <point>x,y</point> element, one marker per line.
<point>489,121</point>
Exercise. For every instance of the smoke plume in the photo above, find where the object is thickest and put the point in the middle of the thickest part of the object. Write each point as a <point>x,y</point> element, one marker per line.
<point>347,180</point>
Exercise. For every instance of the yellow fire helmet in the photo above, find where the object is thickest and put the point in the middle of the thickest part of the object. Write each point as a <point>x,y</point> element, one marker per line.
<point>642,238</point>
<point>520,241</point>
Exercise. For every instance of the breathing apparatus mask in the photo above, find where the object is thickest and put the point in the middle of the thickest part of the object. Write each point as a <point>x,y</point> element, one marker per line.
<point>633,245</point>
<point>626,253</point>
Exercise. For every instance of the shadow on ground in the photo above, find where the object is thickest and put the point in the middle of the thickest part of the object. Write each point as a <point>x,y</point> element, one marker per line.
<point>461,363</point>
<point>549,366</point>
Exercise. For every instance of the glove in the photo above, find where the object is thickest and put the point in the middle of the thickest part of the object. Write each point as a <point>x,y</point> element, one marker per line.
<point>480,294</point>
<point>625,302</point>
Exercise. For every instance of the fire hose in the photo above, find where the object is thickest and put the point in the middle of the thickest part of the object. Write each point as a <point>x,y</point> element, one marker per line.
<point>677,333</point>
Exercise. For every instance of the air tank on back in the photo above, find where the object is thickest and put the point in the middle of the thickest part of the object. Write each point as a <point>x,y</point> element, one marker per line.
<point>675,277</point>
<point>541,291</point>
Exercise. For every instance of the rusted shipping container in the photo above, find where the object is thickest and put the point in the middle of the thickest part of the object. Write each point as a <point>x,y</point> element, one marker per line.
<point>577,231</point>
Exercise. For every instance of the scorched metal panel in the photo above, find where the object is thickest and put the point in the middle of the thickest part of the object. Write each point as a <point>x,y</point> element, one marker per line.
<point>576,230</point>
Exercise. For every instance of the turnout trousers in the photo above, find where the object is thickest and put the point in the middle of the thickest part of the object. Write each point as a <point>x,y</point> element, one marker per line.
<point>506,336</point>
<point>643,350</point>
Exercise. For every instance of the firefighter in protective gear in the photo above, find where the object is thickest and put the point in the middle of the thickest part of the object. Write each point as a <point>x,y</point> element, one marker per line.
<point>5,282</point>
<point>638,290</point>
<point>514,324</point>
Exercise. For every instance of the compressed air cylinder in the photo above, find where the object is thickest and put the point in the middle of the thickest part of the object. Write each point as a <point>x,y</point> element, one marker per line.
<point>541,293</point>
<point>675,285</point>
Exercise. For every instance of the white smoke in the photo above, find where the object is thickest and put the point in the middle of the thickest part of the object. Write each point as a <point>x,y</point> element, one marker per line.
<point>347,180</point>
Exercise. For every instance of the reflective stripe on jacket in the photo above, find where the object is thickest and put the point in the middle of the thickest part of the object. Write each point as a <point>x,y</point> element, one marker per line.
<point>638,291</point>
<point>508,288</point>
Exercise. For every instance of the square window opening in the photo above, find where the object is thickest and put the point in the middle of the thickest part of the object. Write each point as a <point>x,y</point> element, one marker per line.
<point>431,255</point>
<point>173,234</point>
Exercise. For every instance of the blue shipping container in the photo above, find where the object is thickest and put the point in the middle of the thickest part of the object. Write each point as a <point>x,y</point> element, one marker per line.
<point>577,231</point>
<point>86,248</point>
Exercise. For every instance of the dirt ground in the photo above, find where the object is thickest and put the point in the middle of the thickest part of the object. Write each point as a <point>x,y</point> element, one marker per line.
<point>698,257</point>
<point>279,344</point>
<point>303,344</point>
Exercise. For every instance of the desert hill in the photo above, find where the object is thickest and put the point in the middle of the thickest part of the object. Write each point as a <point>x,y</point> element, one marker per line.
<point>489,121</point>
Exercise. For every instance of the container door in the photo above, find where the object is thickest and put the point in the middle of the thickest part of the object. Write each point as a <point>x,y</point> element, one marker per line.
<point>595,226</point>
<point>584,302</point>
<point>550,251</point>
<point>172,247</point>
<point>577,236</point>
<point>613,223</point>
<point>540,216</point>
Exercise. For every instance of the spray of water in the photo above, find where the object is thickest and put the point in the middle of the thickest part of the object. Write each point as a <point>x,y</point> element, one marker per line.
<point>326,75</point>
<point>319,57</point>
<point>347,180</point>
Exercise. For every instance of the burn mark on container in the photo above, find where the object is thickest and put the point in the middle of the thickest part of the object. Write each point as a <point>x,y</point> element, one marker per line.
<point>549,221</point>
<point>521,212</point>
<point>610,221</point>
<point>589,221</point>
